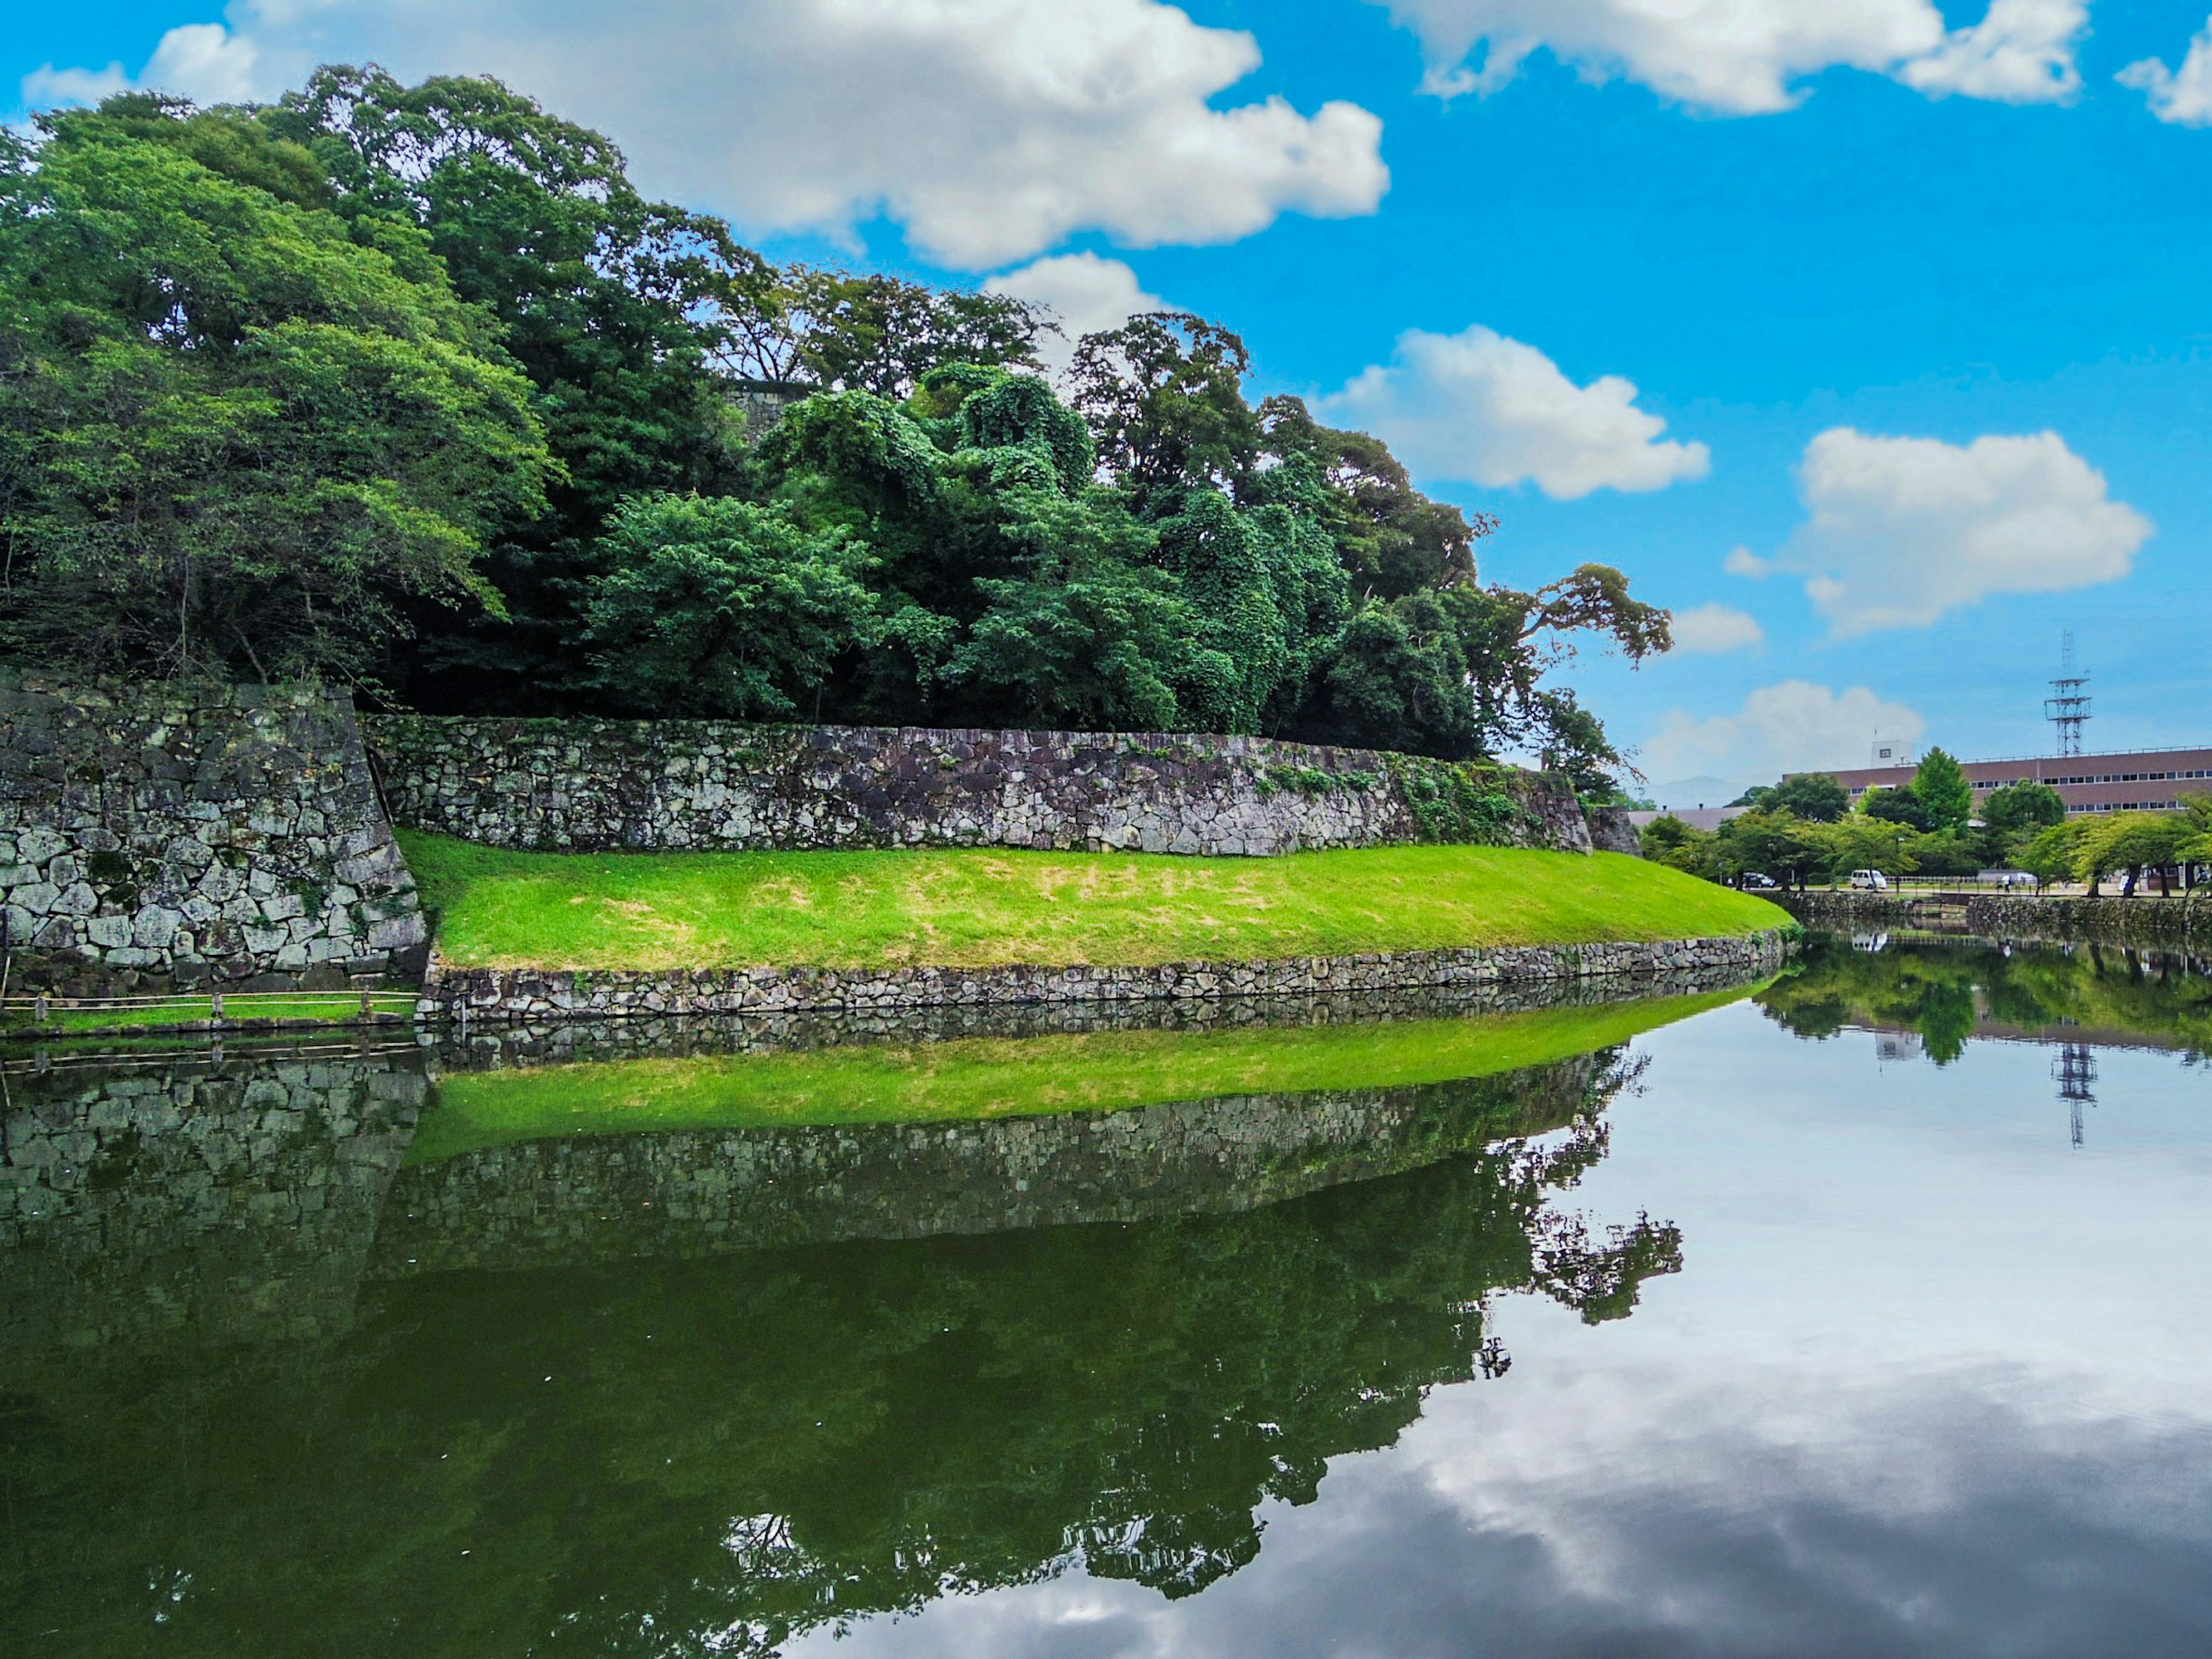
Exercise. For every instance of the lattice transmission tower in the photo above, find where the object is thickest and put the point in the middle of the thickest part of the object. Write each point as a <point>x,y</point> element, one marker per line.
<point>2067,708</point>
<point>2074,1070</point>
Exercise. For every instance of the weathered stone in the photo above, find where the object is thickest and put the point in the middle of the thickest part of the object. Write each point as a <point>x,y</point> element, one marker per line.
<point>168,806</point>
<point>680,784</point>
<point>524,994</point>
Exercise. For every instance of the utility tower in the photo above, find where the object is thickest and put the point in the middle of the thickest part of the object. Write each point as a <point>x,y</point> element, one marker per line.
<point>2067,708</point>
<point>2074,1070</point>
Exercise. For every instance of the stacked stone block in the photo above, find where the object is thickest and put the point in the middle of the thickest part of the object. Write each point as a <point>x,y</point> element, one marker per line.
<point>589,785</point>
<point>231,833</point>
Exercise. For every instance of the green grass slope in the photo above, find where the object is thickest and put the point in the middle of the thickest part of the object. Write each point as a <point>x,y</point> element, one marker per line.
<point>973,1078</point>
<point>985,907</point>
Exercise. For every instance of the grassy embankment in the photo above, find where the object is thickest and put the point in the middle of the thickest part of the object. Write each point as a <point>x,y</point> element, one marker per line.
<point>980,907</point>
<point>973,1078</point>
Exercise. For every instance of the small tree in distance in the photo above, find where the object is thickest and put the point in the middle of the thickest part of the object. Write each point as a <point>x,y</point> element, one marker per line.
<point>1942,788</point>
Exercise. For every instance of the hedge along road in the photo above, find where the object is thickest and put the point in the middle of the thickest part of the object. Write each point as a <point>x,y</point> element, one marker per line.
<point>985,907</point>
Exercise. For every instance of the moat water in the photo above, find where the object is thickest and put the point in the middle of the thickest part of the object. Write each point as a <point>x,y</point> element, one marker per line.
<point>1866,1312</point>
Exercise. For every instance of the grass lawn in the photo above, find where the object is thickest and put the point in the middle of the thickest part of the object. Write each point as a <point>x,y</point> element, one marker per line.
<point>969,1078</point>
<point>337,1007</point>
<point>983,907</point>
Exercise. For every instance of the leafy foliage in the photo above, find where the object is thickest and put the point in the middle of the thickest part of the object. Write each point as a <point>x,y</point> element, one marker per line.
<point>1939,785</point>
<point>290,379</point>
<point>235,437</point>
<point>720,607</point>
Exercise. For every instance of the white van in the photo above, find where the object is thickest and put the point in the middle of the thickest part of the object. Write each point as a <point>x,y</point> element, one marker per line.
<point>1872,880</point>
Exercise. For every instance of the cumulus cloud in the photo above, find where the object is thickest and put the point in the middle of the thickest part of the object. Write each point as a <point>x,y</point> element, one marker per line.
<point>1793,726</point>
<point>1714,630</point>
<point>990,129</point>
<point>48,87</point>
<point>1748,57</point>
<point>1085,293</point>
<point>1478,407</point>
<point>2182,96</point>
<point>1901,530</point>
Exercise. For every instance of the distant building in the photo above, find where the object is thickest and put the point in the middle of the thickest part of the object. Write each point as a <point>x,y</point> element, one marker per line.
<point>1698,818</point>
<point>2139,781</point>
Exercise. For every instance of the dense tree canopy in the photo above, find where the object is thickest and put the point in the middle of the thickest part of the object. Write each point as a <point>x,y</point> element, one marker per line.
<point>233,436</point>
<point>411,386</point>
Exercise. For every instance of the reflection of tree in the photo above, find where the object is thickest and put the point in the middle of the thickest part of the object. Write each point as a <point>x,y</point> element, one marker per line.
<point>1944,990</point>
<point>681,1458</point>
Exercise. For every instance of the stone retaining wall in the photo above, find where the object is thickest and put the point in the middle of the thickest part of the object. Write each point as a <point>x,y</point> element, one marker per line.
<point>526,994</point>
<point>2142,920</point>
<point>686,785</point>
<point>232,832</point>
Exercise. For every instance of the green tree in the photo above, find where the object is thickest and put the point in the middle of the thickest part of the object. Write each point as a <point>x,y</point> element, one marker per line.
<point>1811,795</point>
<point>720,607</point>
<point>1900,805</point>
<point>1777,844</point>
<point>2133,842</point>
<point>616,307</point>
<point>1856,842</point>
<point>2023,806</point>
<point>1669,841</point>
<point>1941,787</point>
<point>236,439</point>
<point>1391,539</point>
<point>2049,854</point>
<point>876,332</point>
<point>1164,394</point>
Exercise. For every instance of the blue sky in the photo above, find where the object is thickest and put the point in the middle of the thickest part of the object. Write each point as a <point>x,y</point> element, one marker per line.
<point>1858,256</point>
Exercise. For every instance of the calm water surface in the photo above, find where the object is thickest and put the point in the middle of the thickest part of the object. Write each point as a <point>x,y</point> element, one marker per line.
<point>1869,1312</point>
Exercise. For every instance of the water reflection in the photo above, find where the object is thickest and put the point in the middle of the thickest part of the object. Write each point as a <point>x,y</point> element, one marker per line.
<point>287,1368</point>
<point>269,1376</point>
<point>1928,998</point>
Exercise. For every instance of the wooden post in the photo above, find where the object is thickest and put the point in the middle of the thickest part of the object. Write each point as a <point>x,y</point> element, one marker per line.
<point>367,1012</point>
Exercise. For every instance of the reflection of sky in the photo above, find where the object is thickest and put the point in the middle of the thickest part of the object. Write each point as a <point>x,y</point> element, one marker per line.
<point>1933,1381</point>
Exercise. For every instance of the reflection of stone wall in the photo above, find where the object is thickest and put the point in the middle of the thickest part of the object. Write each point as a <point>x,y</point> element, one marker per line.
<point>695,784</point>
<point>524,993</point>
<point>2140,921</point>
<point>502,1042</point>
<point>232,831</point>
<point>232,1200</point>
<point>610,1197</point>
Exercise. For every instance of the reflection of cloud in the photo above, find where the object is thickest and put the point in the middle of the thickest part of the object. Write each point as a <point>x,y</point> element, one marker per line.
<point>1925,1387</point>
<point>1897,1521</point>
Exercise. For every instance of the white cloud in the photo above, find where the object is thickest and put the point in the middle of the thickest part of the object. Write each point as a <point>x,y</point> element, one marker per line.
<point>48,87</point>
<point>1748,57</point>
<point>217,66</point>
<point>1793,726</point>
<point>1714,629</point>
<point>1478,407</point>
<point>990,129</point>
<point>1902,530</point>
<point>1087,293</point>
<point>1742,561</point>
<point>2182,96</point>
<point>2022,52</point>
